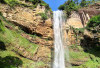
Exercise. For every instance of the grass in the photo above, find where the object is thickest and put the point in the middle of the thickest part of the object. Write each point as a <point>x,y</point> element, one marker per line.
<point>25,62</point>
<point>92,56</point>
<point>78,55</point>
<point>11,2</point>
<point>12,38</point>
<point>17,39</point>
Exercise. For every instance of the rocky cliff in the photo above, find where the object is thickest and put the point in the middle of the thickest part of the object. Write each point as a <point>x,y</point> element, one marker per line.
<point>89,12</point>
<point>26,37</point>
<point>29,20</point>
<point>80,19</point>
<point>81,41</point>
<point>28,24</point>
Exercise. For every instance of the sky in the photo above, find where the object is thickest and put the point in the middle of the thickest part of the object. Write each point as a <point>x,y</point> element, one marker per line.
<point>54,4</point>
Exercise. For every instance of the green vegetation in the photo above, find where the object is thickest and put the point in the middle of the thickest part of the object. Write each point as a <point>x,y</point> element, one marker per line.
<point>89,59</point>
<point>68,7</point>
<point>86,52</point>
<point>10,2</point>
<point>9,40</point>
<point>9,59</point>
<point>85,3</point>
<point>10,37</point>
<point>94,24</point>
<point>44,16</point>
<point>62,7</point>
<point>74,5</point>
<point>1,26</point>
<point>13,3</point>
<point>41,2</point>
<point>10,62</point>
<point>15,50</point>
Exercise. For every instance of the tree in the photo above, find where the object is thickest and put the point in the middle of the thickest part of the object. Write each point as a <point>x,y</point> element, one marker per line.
<point>76,1</point>
<point>43,16</point>
<point>87,2</point>
<point>61,7</point>
<point>94,24</point>
<point>70,6</point>
<point>83,3</point>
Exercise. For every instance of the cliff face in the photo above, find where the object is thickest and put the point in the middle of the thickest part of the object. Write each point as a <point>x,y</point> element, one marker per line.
<point>74,20</point>
<point>29,20</point>
<point>89,12</point>
<point>80,19</point>
<point>81,41</point>
<point>36,31</point>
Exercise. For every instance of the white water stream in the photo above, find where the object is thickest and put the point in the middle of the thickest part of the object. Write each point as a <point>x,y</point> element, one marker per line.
<point>59,21</point>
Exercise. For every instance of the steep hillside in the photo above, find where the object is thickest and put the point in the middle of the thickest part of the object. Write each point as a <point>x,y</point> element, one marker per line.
<point>83,37</point>
<point>26,34</point>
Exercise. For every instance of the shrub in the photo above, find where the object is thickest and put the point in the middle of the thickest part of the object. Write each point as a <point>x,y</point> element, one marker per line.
<point>10,62</point>
<point>41,2</point>
<point>95,21</point>
<point>68,7</point>
<point>2,28</point>
<point>44,16</point>
<point>10,2</point>
<point>94,24</point>
<point>61,7</point>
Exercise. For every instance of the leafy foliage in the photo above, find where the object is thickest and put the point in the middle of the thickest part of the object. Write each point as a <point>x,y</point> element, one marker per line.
<point>94,24</point>
<point>44,16</point>
<point>10,62</point>
<point>74,5</point>
<point>95,21</point>
<point>10,38</point>
<point>2,26</point>
<point>13,3</point>
<point>61,7</point>
<point>83,3</point>
<point>68,7</point>
<point>41,2</point>
<point>10,2</point>
<point>90,59</point>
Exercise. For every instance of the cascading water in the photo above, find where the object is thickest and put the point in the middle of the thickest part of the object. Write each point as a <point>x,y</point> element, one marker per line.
<point>59,59</point>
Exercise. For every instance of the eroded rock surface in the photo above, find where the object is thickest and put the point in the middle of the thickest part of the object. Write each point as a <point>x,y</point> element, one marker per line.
<point>79,20</point>
<point>88,12</point>
<point>75,38</point>
<point>29,20</point>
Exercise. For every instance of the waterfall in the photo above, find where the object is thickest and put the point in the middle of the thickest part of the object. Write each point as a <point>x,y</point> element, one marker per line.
<point>59,21</point>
